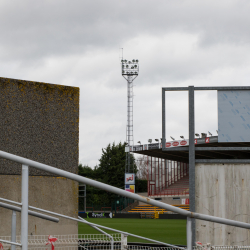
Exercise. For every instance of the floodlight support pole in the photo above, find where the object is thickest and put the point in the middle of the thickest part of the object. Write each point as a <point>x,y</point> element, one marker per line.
<point>13,229</point>
<point>129,132</point>
<point>25,205</point>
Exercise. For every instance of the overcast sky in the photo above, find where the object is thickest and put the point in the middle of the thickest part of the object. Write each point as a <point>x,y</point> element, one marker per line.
<point>178,43</point>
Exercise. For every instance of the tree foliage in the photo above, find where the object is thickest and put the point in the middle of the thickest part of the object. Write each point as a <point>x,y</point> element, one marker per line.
<point>110,170</point>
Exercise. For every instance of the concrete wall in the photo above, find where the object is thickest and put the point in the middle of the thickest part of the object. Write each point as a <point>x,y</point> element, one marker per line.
<point>40,121</point>
<point>56,194</point>
<point>223,190</point>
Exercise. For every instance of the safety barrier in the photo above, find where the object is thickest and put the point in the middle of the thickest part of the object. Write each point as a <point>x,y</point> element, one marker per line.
<point>25,208</point>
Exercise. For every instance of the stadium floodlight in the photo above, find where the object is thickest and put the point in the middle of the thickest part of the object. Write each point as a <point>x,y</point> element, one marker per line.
<point>182,137</point>
<point>210,133</point>
<point>129,70</point>
<point>139,142</point>
<point>198,135</point>
<point>172,138</point>
<point>156,139</point>
<point>203,135</point>
<point>132,68</point>
<point>150,140</point>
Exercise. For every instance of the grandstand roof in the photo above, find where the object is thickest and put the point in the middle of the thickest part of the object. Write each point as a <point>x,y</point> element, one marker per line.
<point>178,150</point>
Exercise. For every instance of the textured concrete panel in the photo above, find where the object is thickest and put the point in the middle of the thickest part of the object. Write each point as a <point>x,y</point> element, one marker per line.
<point>56,194</point>
<point>223,190</point>
<point>39,121</point>
<point>234,116</point>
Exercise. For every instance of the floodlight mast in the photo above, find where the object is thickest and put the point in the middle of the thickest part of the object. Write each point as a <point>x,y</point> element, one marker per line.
<point>130,70</point>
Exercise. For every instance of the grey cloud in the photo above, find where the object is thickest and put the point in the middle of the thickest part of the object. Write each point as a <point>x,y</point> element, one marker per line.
<point>37,29</point>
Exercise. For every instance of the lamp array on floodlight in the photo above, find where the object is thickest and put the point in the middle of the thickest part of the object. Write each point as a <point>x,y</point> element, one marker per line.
<point>130,68</point>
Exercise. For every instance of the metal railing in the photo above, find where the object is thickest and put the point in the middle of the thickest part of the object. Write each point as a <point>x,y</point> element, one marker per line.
<point>24,209</point>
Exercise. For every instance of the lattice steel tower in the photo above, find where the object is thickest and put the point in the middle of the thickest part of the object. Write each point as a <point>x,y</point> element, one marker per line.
<point>130,70</point>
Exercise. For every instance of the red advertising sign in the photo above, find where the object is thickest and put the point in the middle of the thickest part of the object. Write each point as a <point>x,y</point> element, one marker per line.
<point>195,141</point>
<point>175,143</point>
<point>183,143</point>
<point>207,140</point>
<point>168,144</point>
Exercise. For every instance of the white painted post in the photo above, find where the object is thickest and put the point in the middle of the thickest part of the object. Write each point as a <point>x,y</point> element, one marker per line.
<point>124,241</point>
<point>25,205</point>
<point>13,229</point>
<point>189,233</point>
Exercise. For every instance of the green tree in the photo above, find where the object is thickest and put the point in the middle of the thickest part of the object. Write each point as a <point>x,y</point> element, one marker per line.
<point>111,171</point>
<point>86,171</point>
<point>112,165</point>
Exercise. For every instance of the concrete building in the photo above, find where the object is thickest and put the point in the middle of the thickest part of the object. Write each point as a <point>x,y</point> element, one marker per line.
<point>40,121</point>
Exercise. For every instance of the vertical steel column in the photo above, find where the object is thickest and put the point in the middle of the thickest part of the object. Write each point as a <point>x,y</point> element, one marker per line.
<point>191,157</point>
<point>148,177</point>
<point>174,170</point>
<point>163,119</point>
<point>25,205</point>
<point>159,183</point>
<point>166,171</point>
<point>189,233</point>
<point>13,229</point>
<point>170,173</point>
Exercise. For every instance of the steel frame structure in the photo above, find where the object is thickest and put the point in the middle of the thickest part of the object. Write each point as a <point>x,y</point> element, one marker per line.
<point>191,147</point>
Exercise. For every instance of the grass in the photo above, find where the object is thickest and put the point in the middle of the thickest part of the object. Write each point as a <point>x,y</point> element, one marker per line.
<point>168,231</point>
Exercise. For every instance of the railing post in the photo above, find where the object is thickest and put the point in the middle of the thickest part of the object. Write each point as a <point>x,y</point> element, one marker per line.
<point>13,229</point>
<point>124,241</point>
<point>189,233</point>
<point>25,205</point>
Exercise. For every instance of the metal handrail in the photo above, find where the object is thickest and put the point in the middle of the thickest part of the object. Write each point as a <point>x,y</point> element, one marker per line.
<point>106,187</point>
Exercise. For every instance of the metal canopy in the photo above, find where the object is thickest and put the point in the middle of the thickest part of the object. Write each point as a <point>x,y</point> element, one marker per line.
<point>203,150</point>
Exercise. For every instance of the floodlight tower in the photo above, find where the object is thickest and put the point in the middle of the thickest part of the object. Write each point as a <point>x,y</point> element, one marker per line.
<point>130,70</point>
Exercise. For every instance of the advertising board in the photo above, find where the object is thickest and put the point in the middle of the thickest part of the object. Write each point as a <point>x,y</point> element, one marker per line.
<point>130,188</point>
<point>129,178</point>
